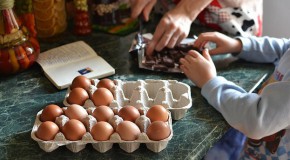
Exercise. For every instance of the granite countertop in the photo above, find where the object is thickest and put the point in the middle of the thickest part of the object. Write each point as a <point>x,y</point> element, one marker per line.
<point>25,94</point>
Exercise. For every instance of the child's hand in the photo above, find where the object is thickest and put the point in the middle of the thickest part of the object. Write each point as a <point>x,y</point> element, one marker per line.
<point>199,69</point>
<point>224,44</point>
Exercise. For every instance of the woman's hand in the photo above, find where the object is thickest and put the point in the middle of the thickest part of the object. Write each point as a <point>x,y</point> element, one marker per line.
<point>142,7</point>
<point>224,44</point>
<point>198,68</point>
<point>175,25</point>
<point>171,30</point>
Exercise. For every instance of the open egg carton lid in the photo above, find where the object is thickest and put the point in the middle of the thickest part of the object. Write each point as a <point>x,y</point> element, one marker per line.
<point>173,95</point>
<point>101,146</point>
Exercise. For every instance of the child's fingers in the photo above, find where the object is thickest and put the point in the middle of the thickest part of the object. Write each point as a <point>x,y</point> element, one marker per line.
<point>217,50</point>
<point>206,54</point>
<point>184,69</point>
<point>203,38</point>
<point>193,54</point>
<point>198,43</point>
<point>184,62</point>
<point>190,59</point>
<point>208,36</point>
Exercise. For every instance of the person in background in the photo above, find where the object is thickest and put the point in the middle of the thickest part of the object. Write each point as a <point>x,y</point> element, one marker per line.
<point>263,117</point>
<point>238,17</point>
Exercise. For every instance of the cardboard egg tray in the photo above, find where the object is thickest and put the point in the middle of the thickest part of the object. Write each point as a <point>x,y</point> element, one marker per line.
<point>173,95</point>
<point>101,146</point>
<point>142,94</point>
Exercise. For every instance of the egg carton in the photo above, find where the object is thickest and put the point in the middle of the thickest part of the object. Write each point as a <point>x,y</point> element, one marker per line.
<point>173,95</point>
<point>101,146</point>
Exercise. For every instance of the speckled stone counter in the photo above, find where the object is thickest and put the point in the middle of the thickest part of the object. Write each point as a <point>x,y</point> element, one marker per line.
<point>26,93</point>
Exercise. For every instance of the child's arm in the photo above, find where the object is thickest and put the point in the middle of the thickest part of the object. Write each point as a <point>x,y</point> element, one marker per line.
<point>224,44</point>
<point>255,115</point>
<point>263,49</point>
<point>255,49</point>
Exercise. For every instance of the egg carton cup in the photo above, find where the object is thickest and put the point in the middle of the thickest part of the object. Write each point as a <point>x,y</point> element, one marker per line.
<point>171,94</point>
<point>100,146</point>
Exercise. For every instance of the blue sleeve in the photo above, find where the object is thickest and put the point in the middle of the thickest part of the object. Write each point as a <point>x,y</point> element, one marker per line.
<point>263,49</point>
<point>254,115</point>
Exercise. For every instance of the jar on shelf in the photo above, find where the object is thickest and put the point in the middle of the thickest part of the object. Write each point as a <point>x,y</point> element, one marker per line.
<point>50,17</point>
<point>112,16</point>
<point>18,51</point>
<point>24,12</point>
<point>82,23</point>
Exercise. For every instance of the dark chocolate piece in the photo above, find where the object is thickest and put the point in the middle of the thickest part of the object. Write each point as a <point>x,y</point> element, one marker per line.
<point>167,61</point>
<point>168,58</point>
<point>159,67</point>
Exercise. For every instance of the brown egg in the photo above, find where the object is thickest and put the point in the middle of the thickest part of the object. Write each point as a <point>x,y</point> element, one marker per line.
<point>47,131</point>
<point>103,113</point>
<point>157,113</point>
<point>129,113</point>
<point>77,96</point>
<point>102,96</point>
<point>102,131</point>
<point>81,82</point>
<point>73,130</point>
<point>106,83</point>
<point>76,111</point>
<point>158,130</point>
<point>128,130</point>
<point>50,112</point>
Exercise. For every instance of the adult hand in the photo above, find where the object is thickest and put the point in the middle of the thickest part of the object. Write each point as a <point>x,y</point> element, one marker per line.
<point>198,68</point>
<point>171,30</point>
<point>224,44</point>
<point>142,7</point>
<point>175,25</point>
